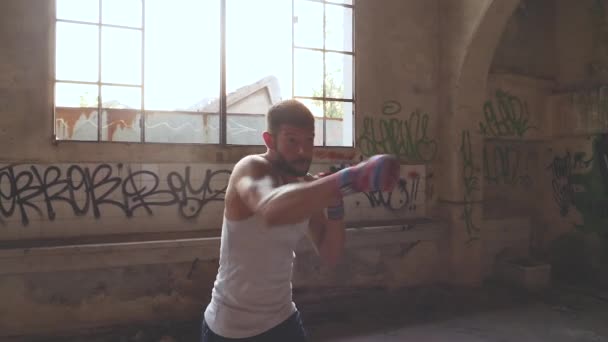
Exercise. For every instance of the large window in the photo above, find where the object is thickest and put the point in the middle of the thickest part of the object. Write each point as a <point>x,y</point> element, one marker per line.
<point>200,71</point>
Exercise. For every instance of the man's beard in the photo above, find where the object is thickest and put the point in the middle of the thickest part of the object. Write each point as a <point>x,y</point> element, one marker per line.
<point>283,165</point>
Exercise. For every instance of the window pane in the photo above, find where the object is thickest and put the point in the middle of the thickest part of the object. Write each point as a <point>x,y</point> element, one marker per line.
<point>121,12</point>
<point>338,28</point>
<point>338,123</point>
<point>121,97</point>
<point>75,95</point>
<point>121,125</point>
<point>79,10</point>
<point>182,67</point>
<point>121,114</point>
<point>120,55</point>
<point>339,75</point>
<point>308,24</point>
<point>77,52</point>
<point>308,73</point>
<point>316,107</point>
<point>245,129</point>
<point>263,78</point>
<point>182,127</point>
<point>76,124</point>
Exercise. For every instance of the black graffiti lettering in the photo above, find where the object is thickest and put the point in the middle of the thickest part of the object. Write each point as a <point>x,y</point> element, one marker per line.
<point>106,179</point>
<point>397,199</point>
<point>192,200</point>
<point>44,186</point>
<point>25,194</point>
<point>75,185</point>
<point>7,200</point>
<point>141,196</point>
<point>36,189</point>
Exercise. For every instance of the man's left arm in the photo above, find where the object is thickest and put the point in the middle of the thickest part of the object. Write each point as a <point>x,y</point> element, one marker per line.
<point>328,233</point>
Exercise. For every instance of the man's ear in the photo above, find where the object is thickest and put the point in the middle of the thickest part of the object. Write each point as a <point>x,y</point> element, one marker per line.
<point>269,140</point>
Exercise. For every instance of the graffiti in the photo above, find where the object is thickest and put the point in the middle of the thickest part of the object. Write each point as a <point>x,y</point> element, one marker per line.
<point>87,190</point>
<point>506,164</point>
<point>562,168</point>
<point>582,183</point>
<point>403,138</point>
<point>592,107</point>
<point>471,181</point>
<point>508,119</point>
<point>403,197</point>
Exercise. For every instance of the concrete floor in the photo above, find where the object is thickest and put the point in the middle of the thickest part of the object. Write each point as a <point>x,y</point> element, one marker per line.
<point>536,322</point>
<point>565,314</point>
<point>438,314</point>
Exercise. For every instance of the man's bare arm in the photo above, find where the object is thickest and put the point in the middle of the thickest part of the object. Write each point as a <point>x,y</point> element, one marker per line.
<point>295,202</point>
<point>328,238</point>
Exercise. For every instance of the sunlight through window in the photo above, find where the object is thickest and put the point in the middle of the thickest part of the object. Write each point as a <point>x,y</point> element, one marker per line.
<point>151,70</point>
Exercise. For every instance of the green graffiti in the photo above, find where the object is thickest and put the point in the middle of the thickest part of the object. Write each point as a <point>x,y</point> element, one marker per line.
<point>407,139</point>
<point>471,181</point>
<point>509,118</point>
<point>587,192</point>
<point>506,164</point>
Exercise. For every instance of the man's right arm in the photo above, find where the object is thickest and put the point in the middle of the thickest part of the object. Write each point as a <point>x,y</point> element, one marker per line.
<point>295,202</point>
<point>276,205</point>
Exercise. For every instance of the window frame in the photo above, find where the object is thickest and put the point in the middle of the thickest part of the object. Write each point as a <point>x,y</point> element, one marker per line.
<point>222,98</point>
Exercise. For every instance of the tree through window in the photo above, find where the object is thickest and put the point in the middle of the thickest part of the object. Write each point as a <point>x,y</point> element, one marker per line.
<point>200,71</point>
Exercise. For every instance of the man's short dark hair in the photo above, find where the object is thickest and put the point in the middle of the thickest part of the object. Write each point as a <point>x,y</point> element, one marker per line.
<point>290,112</point>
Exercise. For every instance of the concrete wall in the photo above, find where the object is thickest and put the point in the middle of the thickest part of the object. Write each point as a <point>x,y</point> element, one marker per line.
<point>96,234</point>
<point>557,160</point>
<point>495,108</point>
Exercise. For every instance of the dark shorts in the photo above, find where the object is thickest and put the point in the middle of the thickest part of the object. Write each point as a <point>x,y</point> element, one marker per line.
<point>292,330</point>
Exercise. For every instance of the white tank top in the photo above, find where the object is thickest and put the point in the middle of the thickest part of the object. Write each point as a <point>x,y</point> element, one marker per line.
<point>252,291</point>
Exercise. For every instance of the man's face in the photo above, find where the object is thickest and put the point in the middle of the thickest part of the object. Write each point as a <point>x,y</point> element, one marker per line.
<point>294,148</point>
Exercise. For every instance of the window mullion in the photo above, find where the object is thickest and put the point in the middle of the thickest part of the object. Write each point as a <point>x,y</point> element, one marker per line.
<point>324,76</point>
<point>99,99</point>
<point>142,121</point>
<point>222,106</point>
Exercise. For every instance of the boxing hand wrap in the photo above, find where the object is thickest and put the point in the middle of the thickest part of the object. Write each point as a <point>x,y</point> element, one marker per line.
<point>336,212</point>
<point>378,173</point>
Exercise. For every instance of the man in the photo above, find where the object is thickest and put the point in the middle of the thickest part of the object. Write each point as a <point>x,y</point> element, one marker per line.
<point>271,202</point>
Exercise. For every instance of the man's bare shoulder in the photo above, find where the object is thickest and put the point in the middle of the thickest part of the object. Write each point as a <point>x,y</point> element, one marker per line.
<point>252,165</point>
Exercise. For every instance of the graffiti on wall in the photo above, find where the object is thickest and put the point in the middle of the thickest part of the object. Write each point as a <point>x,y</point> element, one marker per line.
<point>470,180</point>
<point>506,116</point>
<point>44,192</point>
<point>507,163</point>
<point>87,190</point>
<point>581,182</point>
<point>391,134</point>
<point>591,108</point>
<point>404,197</point>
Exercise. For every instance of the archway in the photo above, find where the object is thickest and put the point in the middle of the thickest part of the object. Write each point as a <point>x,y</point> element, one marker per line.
<point>461,191</point>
